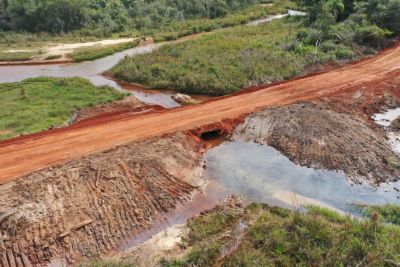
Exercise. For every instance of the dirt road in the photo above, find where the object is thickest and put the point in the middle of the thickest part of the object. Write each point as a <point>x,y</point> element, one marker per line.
<point>24,155</point>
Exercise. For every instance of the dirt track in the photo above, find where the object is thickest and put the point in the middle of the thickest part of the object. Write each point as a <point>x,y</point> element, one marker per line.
<point>24,155</point>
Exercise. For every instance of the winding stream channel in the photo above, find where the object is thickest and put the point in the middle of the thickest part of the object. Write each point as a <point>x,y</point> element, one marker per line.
<point>260,173</point>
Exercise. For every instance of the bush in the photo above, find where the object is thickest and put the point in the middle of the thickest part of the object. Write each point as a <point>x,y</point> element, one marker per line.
<point>342,53</point>
<point>371,35</point>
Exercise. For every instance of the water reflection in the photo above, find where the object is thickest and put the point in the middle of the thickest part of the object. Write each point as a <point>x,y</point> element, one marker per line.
<point>92,71</point>
<point>261,173</point>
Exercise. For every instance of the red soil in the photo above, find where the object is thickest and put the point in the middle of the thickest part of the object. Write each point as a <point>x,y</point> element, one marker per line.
<point>29,153</point>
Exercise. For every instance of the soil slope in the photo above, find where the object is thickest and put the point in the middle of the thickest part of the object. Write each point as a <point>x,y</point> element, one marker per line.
<point>84,208</point>
<point>321,136</point>
<point>24,155</point>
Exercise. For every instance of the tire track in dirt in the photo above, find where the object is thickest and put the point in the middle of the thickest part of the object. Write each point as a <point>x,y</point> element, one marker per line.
<point>86,208</point>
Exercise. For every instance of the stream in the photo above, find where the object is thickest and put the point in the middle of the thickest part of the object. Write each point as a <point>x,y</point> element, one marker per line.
<point>92,70</point>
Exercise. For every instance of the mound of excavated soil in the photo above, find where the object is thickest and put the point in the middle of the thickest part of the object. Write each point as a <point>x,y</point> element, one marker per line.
<point>316,135</point>
<point>86,207</point>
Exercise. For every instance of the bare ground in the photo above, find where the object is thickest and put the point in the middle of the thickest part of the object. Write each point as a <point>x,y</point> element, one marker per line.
<point>127,105</point>
<point>322,136</point>
<point>85,208</point>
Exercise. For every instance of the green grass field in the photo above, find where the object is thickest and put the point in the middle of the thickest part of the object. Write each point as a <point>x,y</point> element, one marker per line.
<point>38,104</point>
<point>227,60</point>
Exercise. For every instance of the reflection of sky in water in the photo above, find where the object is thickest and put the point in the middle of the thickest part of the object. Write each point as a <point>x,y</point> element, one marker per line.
<point>259,171</point>
<point>90,70</point>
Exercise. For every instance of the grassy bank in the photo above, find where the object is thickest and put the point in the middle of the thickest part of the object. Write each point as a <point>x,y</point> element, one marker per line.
<point>222,62</point>
<point>16,56</point>
<point>92,53</point>
<point>38,104</point>
<point>278,237</point>
<point>228,60</point>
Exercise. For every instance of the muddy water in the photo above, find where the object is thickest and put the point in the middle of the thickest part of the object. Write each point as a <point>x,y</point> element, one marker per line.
<point>91,70</point>
<point>263,174</point>
<point>213,194</point>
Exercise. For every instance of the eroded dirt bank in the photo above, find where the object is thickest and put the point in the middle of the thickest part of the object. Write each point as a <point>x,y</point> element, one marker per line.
<point>127,105</point>
<point>335,133</point>
<point>84,208</point>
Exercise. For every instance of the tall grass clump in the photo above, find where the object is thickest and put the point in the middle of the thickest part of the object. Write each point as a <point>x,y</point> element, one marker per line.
<point>38,104</point>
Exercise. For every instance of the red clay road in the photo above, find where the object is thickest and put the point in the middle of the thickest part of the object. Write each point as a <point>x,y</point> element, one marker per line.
<point>24,155</point>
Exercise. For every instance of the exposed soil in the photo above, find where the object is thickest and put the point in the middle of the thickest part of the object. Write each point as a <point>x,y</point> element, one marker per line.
<point>323,136</point>
<point>127,105</point>
<point>173,242</point>
<point>86,207</point>
<point>45,149</point>
<point>395,125</point>
<point>166,245</point>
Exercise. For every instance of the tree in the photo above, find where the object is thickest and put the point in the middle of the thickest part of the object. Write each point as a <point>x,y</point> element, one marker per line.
<point>335,7</point>
<point>62,16</point>
<point>4,17</point>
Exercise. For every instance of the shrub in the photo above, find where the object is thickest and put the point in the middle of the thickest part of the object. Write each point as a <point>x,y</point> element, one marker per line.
<point>371,35</point>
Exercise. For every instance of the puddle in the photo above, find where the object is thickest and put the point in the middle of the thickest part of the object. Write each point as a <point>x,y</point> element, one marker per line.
<point>263,174</point>
<point>385,120</point>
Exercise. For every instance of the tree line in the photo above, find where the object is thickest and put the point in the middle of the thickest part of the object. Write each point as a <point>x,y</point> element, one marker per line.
<point>365,22</point>
<point>61,16</point>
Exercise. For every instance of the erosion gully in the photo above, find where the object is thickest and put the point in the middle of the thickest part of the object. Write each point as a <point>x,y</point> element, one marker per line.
<point>259,173</point>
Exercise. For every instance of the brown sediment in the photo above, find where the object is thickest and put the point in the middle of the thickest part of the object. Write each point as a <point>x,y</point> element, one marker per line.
<point>86,207</point>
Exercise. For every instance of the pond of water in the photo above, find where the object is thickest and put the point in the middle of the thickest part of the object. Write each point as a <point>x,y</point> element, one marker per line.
<point>263,174</point>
